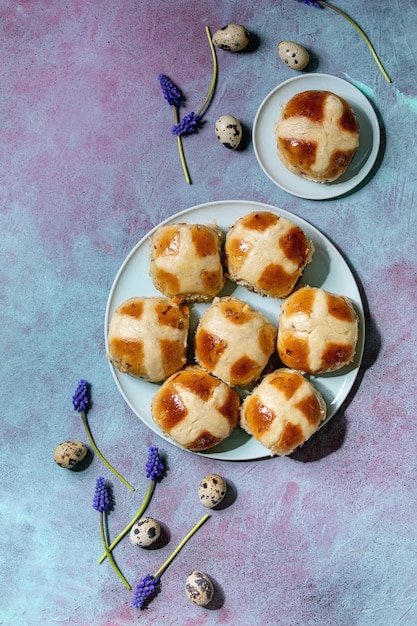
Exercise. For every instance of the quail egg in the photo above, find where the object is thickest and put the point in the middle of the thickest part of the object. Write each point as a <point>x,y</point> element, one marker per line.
<point>228,131</point>
<point>69,453</point>
<point>212,490</point>
<point>233,37</point>
<point>199,588</point>
<point>145,532</point>
<point>293,55</point>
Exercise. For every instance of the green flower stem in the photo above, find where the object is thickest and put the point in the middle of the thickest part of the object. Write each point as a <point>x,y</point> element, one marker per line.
<point>116,569</point>
<point>214,77</point>
<point>361,32</point>
<point>181,149</point>
<point>181,545</point>
<point>138,515</point>
<point>97,451</point>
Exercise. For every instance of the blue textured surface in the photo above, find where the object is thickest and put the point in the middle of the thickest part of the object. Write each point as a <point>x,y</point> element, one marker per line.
<point>88,166</point>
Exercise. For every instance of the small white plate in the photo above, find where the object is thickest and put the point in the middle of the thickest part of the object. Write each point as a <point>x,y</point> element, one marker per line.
<point>327,269</point>
<point>265,145</point>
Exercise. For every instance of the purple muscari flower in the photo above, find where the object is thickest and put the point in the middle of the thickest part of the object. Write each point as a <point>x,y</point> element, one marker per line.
<point>154,464</point>
<point>172,93</point>
<point>102,498</point>
<point>310,3</point>
<point>146,588</point>
<point>188,125</point>
<point>80,398</point>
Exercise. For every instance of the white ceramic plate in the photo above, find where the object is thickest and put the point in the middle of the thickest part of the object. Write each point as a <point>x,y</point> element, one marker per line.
<point>328,269</point>
<point>265,147</point>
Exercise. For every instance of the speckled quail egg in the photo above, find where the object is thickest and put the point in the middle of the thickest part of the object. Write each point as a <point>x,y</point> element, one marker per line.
<point>145,532</point>
<point>69,453</point>
<point>293,55</point>
<point>232,37</point>
<point>212,490</point>
<point>199,588</point>
<point>228,131</point>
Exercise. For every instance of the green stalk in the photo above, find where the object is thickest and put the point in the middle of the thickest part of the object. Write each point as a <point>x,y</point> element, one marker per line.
<point>214,77</point>
<point>97,451</point>
<point>116,569</point>
<point>139,514</point>
<point>361,32</point>
<point>181,149</point>
<point>181,545</point>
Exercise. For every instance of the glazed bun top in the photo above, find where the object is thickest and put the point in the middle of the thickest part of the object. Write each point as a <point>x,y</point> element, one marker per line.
<point>233,341</point>
<point>148,337</point>
<point>317,331</point>
<point>317,135</point>
<point>186,261</point>
<point>267,253</point>
<point>283,411</point>
<point>196,409</point>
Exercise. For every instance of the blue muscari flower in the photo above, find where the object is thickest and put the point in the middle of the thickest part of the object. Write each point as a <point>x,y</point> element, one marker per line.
<point>310,3</point>
<point>146,588</point>
<point>80,399</point>
<point>154,465</point>
<point>102,500</point>
<point>189,124</point>
<point>172,93</point>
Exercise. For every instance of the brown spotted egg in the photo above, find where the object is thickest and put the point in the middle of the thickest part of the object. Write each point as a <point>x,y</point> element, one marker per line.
<point>145,532</point>
<point>293,55</point>
<point>199,588</point>
<point>212,490</point>
<point>233,37</point>
<point>228,131</point>
<point>69,453</point>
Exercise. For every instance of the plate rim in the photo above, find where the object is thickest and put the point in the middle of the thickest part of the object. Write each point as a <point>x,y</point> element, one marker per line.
<point>332,189</point>
<point>249,205</point>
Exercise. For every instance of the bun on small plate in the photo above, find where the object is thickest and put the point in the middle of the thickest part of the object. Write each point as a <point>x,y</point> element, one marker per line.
<point>317,135</point>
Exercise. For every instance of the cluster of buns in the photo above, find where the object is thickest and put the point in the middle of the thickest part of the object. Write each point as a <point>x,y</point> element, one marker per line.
<point>317,135</point>
<point>233,345</point>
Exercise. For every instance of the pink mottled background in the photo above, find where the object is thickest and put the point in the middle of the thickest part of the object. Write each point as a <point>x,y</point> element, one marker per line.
<point>87,167</point>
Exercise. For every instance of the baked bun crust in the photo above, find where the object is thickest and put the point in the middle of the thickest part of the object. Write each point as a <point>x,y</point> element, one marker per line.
<point>196,409</point>
<point>283,411</point>
<point>186,261</point>
<point>317,135</point>
<point>317,331</point>
<point>148,337</point>
<point>266,253</point>
<point>233,341</point>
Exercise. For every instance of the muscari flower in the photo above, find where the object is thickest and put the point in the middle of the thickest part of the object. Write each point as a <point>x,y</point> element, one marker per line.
<point>171,92</point>
<point>102,503</point>
<point>322,3</point>
<point>148,586</point>
<point>154,464</point>
<point>81,403</point>
<point>188,125</point>
<point>155,469</point>
<point>191,122</point>
<point>145,589</point>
